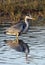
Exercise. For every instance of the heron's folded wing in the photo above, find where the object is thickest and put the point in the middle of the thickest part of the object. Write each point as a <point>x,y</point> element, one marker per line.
<point>17,27</point>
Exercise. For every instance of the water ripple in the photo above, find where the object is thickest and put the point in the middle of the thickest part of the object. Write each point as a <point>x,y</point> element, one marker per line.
<point>35,38</point>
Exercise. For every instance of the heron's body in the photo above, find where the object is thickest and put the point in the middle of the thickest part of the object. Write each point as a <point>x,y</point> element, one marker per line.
<point>19,28</point>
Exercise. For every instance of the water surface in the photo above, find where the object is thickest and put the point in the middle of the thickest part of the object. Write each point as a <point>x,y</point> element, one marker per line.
<point>35,39</point>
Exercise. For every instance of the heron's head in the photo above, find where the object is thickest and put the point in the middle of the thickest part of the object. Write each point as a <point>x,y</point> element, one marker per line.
<point>29,17</point>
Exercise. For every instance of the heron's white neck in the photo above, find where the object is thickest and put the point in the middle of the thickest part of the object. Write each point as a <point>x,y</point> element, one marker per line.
<point>26,22</point>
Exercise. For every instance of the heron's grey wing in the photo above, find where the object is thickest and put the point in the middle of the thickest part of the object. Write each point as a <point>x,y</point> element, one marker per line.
<point>18,26</point>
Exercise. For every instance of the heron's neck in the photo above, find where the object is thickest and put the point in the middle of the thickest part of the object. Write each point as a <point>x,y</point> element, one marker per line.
<point>26,22</point>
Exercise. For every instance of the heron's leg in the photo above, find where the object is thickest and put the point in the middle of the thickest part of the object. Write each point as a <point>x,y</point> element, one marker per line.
<point>17,40</point>
<point>17,35</point>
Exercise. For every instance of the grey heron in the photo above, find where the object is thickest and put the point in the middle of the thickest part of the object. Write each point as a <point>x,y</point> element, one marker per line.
<point>18,45</point>
<point>20,27</point>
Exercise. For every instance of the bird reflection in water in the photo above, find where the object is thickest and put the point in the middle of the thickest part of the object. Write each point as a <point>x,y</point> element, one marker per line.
<point>19,46</point>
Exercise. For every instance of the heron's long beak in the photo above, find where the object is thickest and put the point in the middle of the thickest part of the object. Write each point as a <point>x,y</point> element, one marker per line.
<point>32,18</point>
